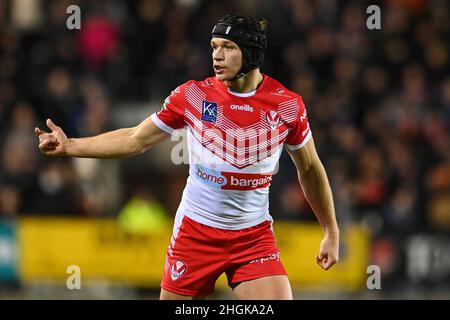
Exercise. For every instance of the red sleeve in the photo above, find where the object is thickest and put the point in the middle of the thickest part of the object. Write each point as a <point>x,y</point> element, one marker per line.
<point>171,115</point>
<point>300,133</point>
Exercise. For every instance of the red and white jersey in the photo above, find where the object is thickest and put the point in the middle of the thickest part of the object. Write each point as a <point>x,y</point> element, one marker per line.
<point>235,141</point>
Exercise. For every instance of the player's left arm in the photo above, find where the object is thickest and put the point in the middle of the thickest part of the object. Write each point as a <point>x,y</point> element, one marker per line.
<point>316,187</point>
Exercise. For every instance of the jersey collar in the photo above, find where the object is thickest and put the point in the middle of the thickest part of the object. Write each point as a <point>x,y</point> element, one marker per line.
<point>247,94</point>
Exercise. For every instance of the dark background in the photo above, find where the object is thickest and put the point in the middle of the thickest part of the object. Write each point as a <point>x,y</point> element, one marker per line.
<point>378,103</point>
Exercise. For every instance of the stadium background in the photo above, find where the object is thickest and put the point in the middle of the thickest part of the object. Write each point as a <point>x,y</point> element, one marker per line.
<point>379,108</point>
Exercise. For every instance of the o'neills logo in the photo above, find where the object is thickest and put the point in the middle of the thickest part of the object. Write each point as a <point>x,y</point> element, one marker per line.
<point>233,181</point>
<point>244,107</point>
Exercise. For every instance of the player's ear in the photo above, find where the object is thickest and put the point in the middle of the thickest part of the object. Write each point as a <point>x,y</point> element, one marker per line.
<point>263,23</point>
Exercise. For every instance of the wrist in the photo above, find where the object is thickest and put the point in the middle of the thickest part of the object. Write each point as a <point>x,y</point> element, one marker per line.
<point>68,146</point>
<point>332,232</point>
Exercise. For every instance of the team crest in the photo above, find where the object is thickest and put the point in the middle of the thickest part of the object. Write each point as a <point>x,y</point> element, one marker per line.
<point>273,119</point>
<point>178,269</point>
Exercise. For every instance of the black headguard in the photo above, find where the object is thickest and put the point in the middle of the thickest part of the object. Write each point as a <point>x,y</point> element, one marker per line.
<point>249,34</point>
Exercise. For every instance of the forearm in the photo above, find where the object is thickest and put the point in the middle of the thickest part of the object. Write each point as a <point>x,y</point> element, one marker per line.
<point>114,144</point>
<point>317,191</point>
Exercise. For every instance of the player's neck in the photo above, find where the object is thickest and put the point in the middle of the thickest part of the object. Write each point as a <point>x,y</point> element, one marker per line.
<point>247,83</point>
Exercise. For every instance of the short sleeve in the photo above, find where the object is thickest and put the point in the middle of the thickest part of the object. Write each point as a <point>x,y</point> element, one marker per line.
<point>171,115</point>
<point>300,132</point>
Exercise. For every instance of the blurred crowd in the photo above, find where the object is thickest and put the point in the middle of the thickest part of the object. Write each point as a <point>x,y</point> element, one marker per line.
<point>378,101</point>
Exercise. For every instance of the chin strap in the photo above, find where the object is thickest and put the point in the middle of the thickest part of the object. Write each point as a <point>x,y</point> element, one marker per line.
<point>238,76</point>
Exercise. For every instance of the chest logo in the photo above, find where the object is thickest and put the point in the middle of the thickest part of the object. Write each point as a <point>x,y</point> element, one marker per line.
<point>209,111</point>
<point>273,119</point>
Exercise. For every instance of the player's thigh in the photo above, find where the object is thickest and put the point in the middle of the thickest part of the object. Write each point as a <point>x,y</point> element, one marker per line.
<point>167,295</point>
<point>275,287</point>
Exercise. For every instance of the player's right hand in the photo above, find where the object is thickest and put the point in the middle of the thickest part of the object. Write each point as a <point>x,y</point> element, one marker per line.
<point>52,144</point>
